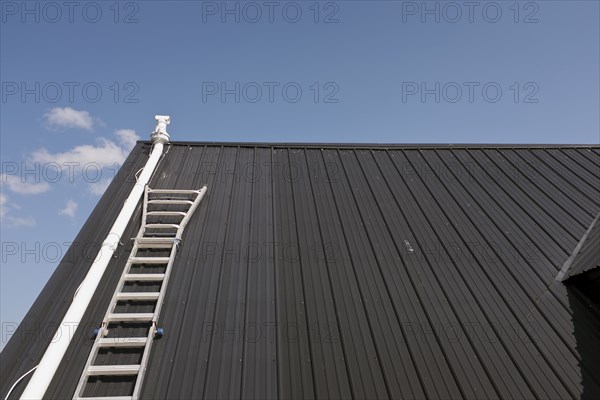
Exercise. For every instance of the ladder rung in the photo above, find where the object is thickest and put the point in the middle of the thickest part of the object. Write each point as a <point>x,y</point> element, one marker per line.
<point>144,277</point>
<point>170,202</point>
<point>155,242</point>
<point>172,213</point>
<point>162,226</point>
<point>123,342</point>
<point>130,317</point>
<point>176,191</point>
<point>138,296</point>
<point>95,370</point>
<point>156,246</point>
<point>149,260</point>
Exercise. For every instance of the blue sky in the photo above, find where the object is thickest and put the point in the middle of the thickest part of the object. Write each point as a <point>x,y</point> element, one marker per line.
<point>81,84</point>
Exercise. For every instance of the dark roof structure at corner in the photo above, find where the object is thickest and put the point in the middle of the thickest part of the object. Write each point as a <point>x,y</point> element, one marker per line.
<point>353,271</point>
<point>586,255</point>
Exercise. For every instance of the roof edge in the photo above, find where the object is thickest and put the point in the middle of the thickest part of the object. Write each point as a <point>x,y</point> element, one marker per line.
<point>386,145</point>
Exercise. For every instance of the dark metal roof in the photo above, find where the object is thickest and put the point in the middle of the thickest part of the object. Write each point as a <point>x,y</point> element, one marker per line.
<point>586,255</point>
<point>325,271</point>
<point>404,146</point>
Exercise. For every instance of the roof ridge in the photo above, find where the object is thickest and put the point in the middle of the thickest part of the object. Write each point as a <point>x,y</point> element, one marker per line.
<point>387,145</point>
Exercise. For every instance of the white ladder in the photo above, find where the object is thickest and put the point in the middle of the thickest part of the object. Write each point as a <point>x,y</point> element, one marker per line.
<point>164,217</point>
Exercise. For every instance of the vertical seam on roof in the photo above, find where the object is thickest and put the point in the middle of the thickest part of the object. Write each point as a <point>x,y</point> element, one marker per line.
<point>271,311</point>
<point>353,272</point>
<point>534,200</point>
<point>506,211</point>
<point>246,302</point>
<point>274,255</point>
<point>386,284</point>
<point>329,281</point>
<point>480,265</point>
<point>188,296</point>
<point>576,157</point>
<point>541,189</point>
<point>298,375</point>
<point>534,270</point>
<point>434,273</point>
<point>404,265</point>
<point>360,215</point>
<point>353,263</point>
<point>387,288</point>
<point>568,181</point>
<point>167,384</point>
<point>567,194</point>
<point>514,277</point>
<point>498,228</point>
<point>556,296</point>
<point>567,162</point>
<point>429,264</point>
<point>244,209</point>
<point>519,204</point>
<point>458,231</point>
<point>282,312</point>
<point>302,280</point>
<point>218,288</point>
<point>589,156</point>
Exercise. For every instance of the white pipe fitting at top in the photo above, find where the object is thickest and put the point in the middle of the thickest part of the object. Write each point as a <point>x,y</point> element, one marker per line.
<point>39,382</point>
<point>160,133</point>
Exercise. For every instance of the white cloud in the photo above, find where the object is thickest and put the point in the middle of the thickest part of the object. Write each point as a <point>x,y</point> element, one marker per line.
<point>19,222</point>
<point>69,209</point>
<point>97,164</point>
<point>3,204</point>
<point>68,117</point>
<point>19,185</point>
<point>98,188</point>
<point>9,220</point>
<point>104,154</point>
<point>127,138</point>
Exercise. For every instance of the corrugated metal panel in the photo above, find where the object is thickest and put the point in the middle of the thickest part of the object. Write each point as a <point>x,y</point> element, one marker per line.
<point>589,256</point>
<point>586,255</point>
<point>383,271</point>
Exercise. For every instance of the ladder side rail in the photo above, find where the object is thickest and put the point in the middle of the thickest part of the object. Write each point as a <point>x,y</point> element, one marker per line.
<point>144,211</point>
<point>96,345</point>
<point>103,327</point>
<point>190,212</point>
<point>115,297</point>
<point>152,331</point>
<point>139,380</point>
<point>165,284</point>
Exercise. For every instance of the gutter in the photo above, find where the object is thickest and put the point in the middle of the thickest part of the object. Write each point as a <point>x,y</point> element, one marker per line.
<point>37,386</point>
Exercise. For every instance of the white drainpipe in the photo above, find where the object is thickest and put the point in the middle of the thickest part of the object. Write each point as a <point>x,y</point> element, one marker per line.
<point>37,386</point>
